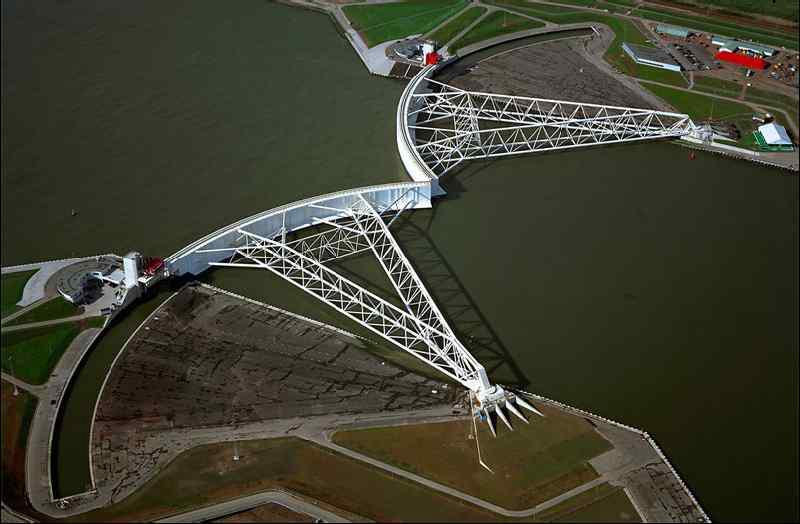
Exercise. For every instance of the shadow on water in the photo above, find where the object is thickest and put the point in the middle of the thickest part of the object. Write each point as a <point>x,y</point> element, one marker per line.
<point>454,300</point>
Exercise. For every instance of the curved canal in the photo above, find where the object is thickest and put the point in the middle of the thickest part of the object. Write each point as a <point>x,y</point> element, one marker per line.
<point>630,281</point>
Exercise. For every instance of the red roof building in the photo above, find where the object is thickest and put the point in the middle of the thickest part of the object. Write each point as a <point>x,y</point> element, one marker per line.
<point>749,62</point>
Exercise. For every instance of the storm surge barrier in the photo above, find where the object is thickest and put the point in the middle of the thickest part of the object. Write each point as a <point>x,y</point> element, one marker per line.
<point>438,127</point>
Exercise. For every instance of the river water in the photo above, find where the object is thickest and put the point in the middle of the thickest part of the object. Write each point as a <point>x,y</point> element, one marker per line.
<point>630,281</point>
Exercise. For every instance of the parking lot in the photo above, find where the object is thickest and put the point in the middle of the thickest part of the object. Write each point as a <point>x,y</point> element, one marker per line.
<point>691,56</point>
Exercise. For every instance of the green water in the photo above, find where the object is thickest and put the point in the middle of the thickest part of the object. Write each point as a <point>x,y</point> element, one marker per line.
<point>629,281</point>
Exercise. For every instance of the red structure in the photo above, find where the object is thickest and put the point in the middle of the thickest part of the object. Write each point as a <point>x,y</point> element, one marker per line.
<point>152,266</point>
<point>432,58</point>
<point>749,62</point>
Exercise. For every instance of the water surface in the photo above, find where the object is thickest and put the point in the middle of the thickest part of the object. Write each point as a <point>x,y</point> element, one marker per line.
<point>630,281</point>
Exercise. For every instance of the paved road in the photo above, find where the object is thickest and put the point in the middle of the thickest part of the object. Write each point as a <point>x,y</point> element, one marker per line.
<point>30,388</point>
<point>230,507</point>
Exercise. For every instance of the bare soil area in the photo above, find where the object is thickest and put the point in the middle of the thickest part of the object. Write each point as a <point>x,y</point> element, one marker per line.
<point>554,70</point>
<point>268,513</point>
<point>210,359</point>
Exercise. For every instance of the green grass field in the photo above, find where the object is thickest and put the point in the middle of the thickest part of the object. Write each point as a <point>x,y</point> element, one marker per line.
<point>551,13</point>
<point>12,286</point>
<point>752,94</point>
<point>602,503</point>
<point>723,27</point>
<point>700,107</point>
<point>631,68</point>
<point>207,474</point>
<point>31,354</point>
<point>624,30</point>
<point>786,9</point>
<point>382,22</point>
<point>52,309</point>
<point>717,86</point>
<point>446,33</point>
<point>534,463</point>
<point>497,23</point>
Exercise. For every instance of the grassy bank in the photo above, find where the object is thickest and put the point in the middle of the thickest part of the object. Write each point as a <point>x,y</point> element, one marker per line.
<point>31,354</point>
<point>379,23</point>
<point>12,286</point>
<point>532,464</point>
<point>624,30</point>
<point>631,68</point>
<point>785,9</point>
<point>496,24</point>
<point>207,474</point>
<point>699,106</point>
<point>52,309</point>
<point>717,26</point>
<point>448,31</point>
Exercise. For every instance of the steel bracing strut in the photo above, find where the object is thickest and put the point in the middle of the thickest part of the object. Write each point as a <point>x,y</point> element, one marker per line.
<point>419,327</point>
<point>451,125</point>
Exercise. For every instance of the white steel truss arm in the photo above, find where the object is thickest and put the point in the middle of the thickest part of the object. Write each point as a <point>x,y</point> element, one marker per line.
<point>451,125</point>
<point>399,327</point>
<point>416,298</point>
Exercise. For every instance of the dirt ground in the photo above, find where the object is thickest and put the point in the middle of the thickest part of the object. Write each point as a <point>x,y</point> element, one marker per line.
<point>210,359</point>
<point>268,513</point>
<point>554,70</point>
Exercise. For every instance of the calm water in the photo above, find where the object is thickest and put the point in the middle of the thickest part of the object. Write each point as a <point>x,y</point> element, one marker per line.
<point>630,281</point>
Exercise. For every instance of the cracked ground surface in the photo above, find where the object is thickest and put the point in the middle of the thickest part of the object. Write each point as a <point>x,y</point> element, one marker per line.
<point>209,360</point>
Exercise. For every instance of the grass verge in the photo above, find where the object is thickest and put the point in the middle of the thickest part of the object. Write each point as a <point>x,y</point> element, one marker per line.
<point>379,23</point>
<point>207,474</point>
<point>12,286</point>
<point>448,31</point>
<point>716,26</point>
<point>31,354</point>
<point>536,462</point>
<point>53,309</point>
<point>497,23</point>
<point>699,106</point>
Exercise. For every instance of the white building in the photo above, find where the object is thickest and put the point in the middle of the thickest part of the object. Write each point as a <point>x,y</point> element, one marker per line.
<point>650,56</point>
<point>775,135</point>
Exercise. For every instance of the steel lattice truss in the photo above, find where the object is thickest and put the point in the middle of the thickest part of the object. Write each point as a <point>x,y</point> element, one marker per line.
<point>418,328</point>
<point>451,125</point>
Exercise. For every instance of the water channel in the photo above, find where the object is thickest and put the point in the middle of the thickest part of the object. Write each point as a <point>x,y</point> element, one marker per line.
<point>630,281</point>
